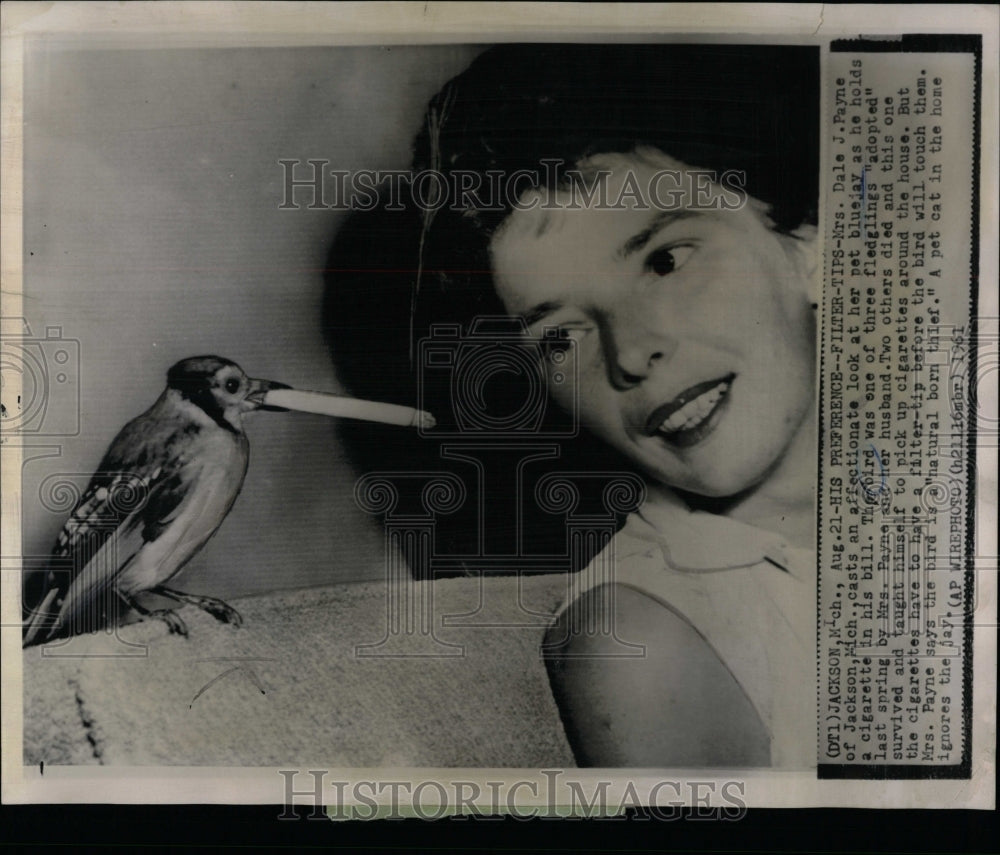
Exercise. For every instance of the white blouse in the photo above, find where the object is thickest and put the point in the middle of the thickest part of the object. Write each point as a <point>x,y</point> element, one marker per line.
<point>749,594</point>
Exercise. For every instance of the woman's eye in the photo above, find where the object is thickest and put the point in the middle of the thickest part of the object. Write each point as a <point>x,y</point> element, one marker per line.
<point>666,260</point>
<point>558,340</point>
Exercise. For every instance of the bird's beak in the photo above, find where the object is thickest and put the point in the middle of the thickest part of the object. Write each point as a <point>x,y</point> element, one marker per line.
<point>258,389</point>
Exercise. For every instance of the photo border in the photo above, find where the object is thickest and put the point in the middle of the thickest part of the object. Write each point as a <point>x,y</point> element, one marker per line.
<point>144,24</point>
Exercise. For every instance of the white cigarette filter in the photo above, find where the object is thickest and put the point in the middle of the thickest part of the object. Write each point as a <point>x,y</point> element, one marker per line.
<point>343,407</point>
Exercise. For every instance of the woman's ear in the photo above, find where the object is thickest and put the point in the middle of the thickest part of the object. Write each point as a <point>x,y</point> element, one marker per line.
<point>804,246</point>
<point>807,240</point>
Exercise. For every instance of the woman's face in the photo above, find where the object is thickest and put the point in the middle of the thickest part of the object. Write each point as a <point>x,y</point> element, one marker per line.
<point>692,327</point>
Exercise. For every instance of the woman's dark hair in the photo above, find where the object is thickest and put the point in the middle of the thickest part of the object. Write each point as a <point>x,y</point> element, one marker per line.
<point>753,109</point>
<point>396,270</point>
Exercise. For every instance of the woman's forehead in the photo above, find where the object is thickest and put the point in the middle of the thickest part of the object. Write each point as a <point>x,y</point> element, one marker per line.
<point>641,155</point>
<point>610,196</point>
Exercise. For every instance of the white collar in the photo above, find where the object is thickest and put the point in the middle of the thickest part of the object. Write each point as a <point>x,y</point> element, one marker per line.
<point>701,541</point>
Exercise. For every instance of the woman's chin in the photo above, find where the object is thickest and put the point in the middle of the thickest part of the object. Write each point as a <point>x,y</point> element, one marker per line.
<point>709,485</point>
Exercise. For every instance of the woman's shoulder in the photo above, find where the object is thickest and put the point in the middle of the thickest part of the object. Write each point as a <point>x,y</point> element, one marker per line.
<point>723,614</point>
<point>615,645</point>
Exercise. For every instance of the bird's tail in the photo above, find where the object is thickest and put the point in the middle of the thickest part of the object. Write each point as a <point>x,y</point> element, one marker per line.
<point>41,621</point>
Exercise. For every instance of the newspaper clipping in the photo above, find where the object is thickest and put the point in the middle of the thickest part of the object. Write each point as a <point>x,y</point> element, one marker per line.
<point>452,410</point>
<point>897,566</point>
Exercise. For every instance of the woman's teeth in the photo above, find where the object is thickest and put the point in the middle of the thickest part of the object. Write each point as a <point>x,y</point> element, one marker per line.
<point>695,411</point>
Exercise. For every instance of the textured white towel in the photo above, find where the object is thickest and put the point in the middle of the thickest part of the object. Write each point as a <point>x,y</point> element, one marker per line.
<point>489,705</point>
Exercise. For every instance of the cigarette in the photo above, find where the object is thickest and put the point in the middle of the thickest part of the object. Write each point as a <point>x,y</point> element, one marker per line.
<point>343,407</point>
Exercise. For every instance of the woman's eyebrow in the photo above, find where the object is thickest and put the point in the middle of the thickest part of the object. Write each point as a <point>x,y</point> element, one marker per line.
<point>536,313</point>
<point>660,221</point>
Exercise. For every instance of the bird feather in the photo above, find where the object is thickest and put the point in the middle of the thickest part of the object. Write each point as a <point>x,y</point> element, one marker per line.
<point>128,502</point>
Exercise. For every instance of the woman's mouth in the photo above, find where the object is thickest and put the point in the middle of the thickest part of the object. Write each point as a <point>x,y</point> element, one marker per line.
<point>692,415</point>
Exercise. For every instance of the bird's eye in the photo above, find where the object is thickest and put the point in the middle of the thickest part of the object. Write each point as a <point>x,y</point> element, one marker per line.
<point>667,259</point>
<point>232,385</point>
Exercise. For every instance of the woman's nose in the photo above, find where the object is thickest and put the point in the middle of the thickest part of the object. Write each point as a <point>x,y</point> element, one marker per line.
<point>634,348</point>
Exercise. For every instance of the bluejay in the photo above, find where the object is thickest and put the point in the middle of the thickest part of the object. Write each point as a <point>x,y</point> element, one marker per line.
<point>162,490</point>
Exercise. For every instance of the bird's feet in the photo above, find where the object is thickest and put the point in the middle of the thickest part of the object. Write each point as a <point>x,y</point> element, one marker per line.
<point>221,611</point>
<point>171,619</point>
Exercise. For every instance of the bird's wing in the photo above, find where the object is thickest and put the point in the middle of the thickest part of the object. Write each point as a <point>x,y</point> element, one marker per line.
<point>135,489</point>
<point>92,601</point>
